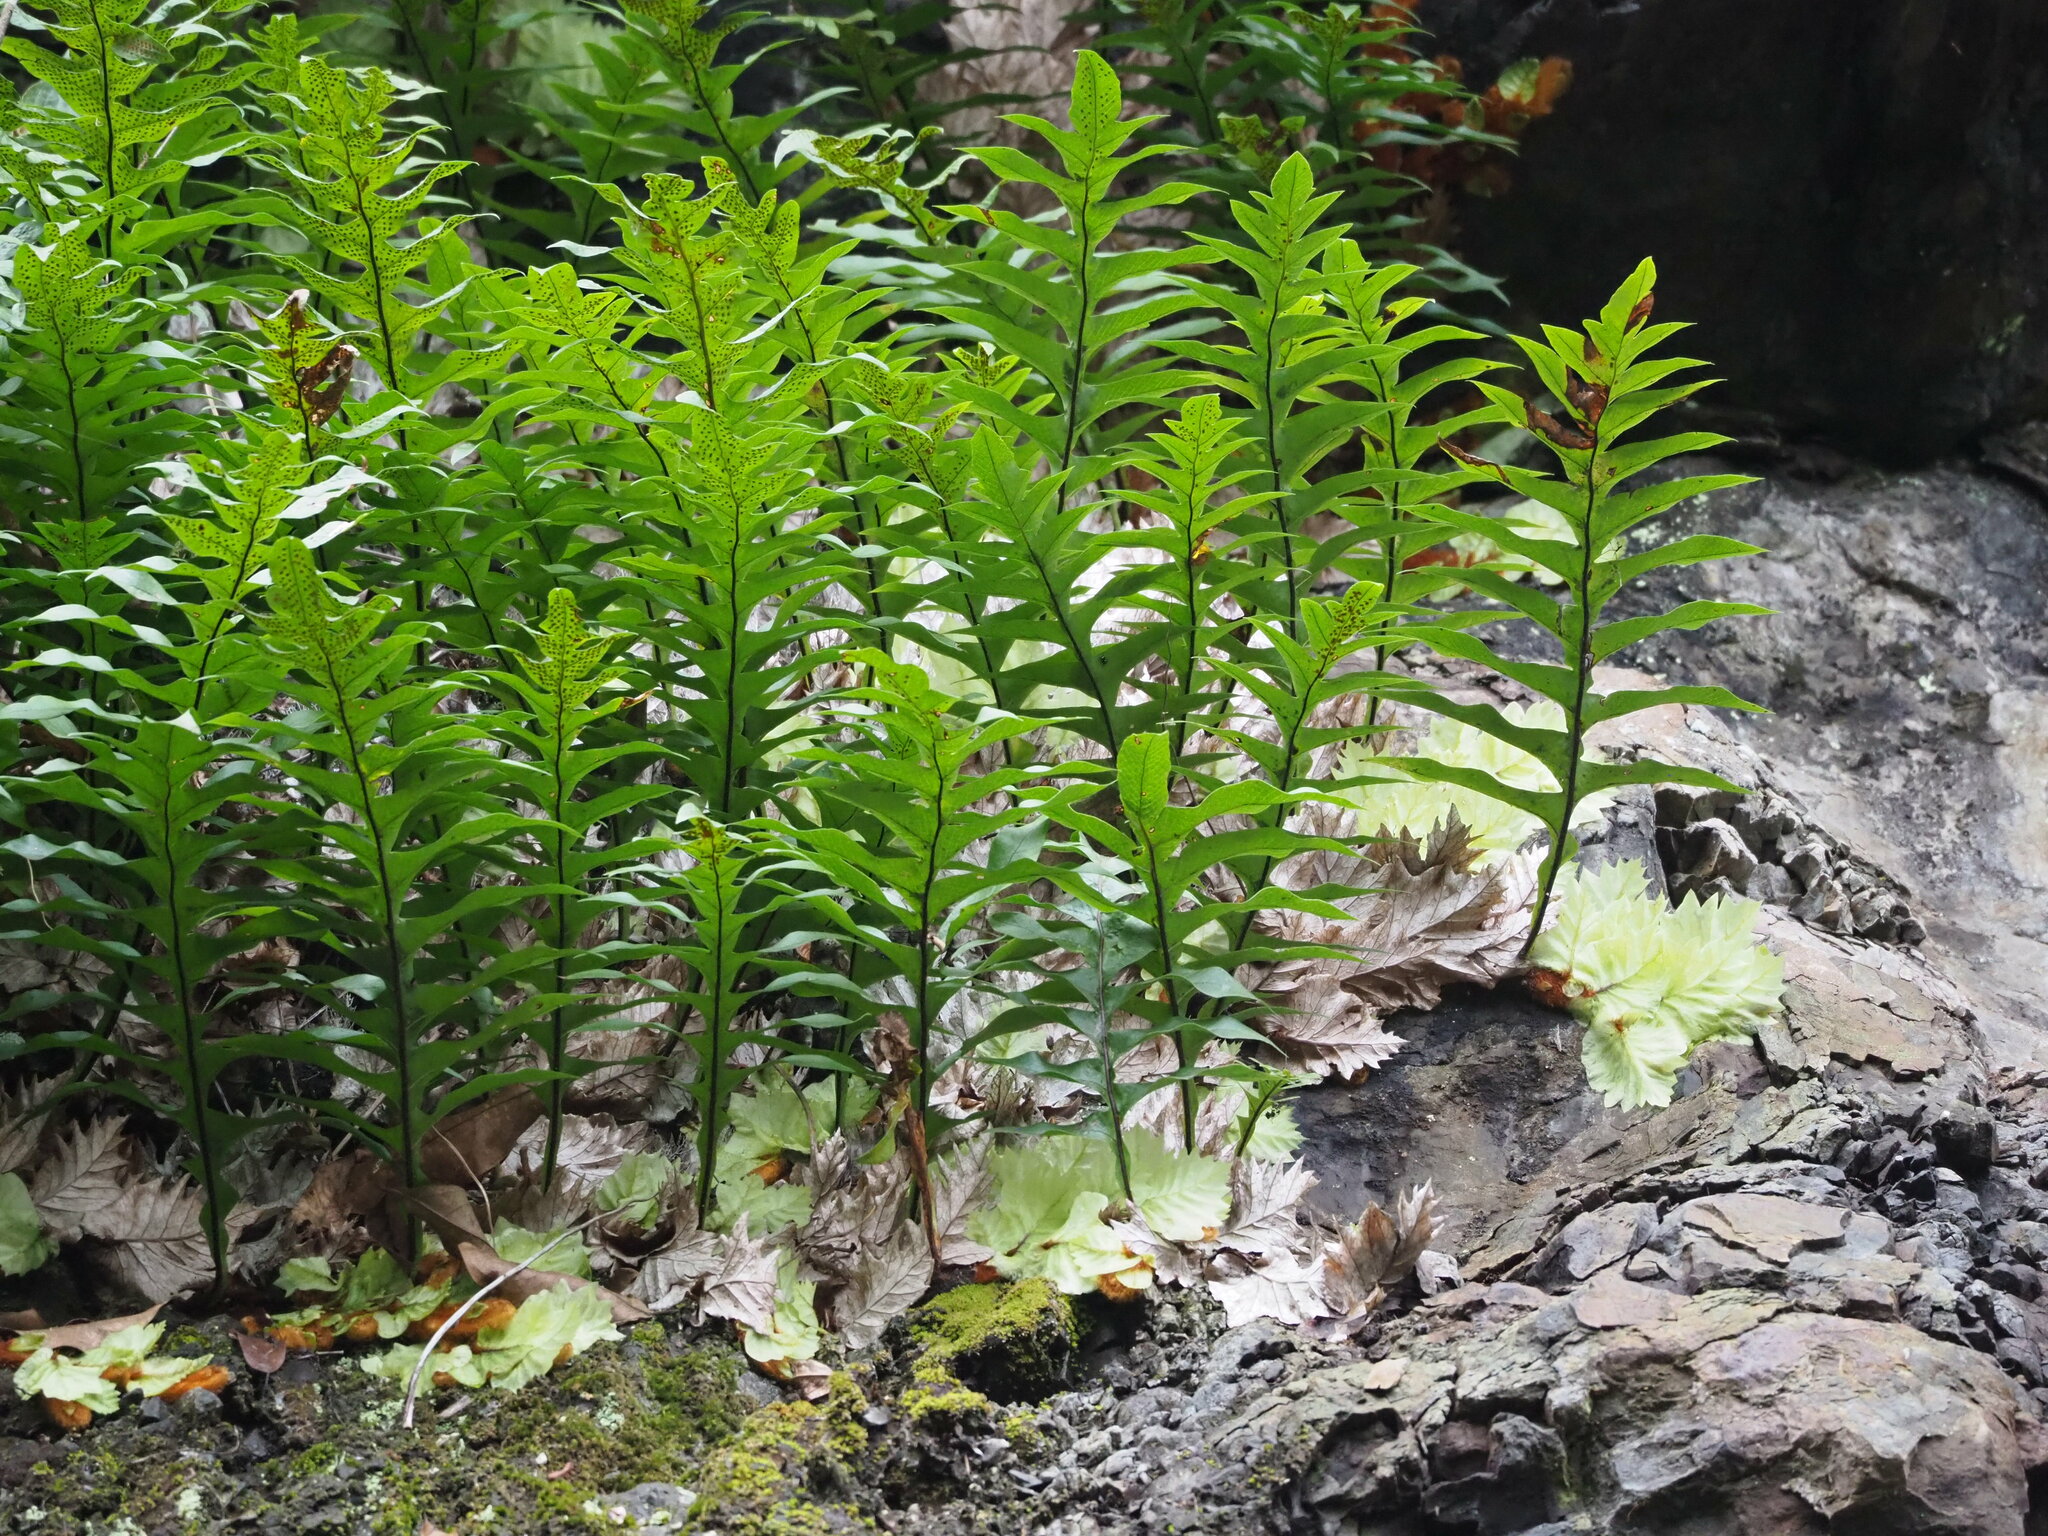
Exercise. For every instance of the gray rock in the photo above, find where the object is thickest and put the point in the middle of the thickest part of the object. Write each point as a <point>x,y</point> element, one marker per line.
<point>1708,851</point>
<point>1807,863</point>
<point>1689,1420</point>
<point>1888,592</point>
<point>2028,1239</point>
<point>1773,884</point>
<point>1495,1477</point>
<point>1966,1139</point>
<point>1824,906</point>
<point>200,1403</point>
<point>648,1507</point>
<point>1594,1241</point>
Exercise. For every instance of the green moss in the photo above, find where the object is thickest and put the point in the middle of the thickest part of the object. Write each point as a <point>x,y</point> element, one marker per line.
<point>608,1437</point>
<point>928,1404</point>
<point>318,1460</point>
<point>399,1500</point>
<point>979,1342</point>
<point>98,1490</point>
<point>1022,1431</point>
<point>186,1341</point>
<point>789,1471</point>
<point>542,1459</point>
<point>546,1460</point>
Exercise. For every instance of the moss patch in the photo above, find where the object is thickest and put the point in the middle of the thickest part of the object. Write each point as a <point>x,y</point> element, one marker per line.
<point>1013,1341</point>
<point>318,1451</point>
<point>328,1458</point>
<point>982,1344</point>
<point>790,1471</point>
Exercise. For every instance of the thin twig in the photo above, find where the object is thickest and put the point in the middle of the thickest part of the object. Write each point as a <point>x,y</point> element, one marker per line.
<point>412,1386</point>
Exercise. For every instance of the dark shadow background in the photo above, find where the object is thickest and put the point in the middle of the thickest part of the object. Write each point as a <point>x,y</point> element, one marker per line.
<point>1849,196</point>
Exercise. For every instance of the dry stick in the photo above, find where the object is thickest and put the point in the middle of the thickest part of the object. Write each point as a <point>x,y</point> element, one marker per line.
<point>412,1385</point>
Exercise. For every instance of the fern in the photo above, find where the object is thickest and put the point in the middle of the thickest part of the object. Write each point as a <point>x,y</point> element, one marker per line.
<point>726,894</point>
<point>135,136</point>
<point>907,625</point>
<point>304,370</point>
<point>235,546</point>
<point>689,54</point>
<point>1279,369</point>
<point>1169,857</point>
<point>1401,426</point>
<point>406,798</point>
<point>90,410</point>
<point>344,170</point>
<point>734,606</point>
<point>566,780</point>
<point>1609,384</point>
<point>923,843</point>
<point>1192,462</point>
<point>169,929</point>
<point>1088,348</point>
<point>1095,987</point>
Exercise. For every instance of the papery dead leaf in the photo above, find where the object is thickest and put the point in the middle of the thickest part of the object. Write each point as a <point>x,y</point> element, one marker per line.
<point>742,1287</point>
<point>811,1378</point>
<point>592,1149</point>
<point>24,1121</point>
<point>674,1274</point>
<point>151,1241</point>
<point>1216,1120</point>
<point>887,1282</point>
<point>1170,1263</point>
<point>1283,1289</point>
<point>1263,1200</point>
<point>962,1183</point>
<point>1436,1272</point>
<point>1336,1327</point>
<point>527,1205</point>
<point>1332,1035</point>
<point>629,1075</point>
<point>888,1043</point>
<point>854,1209</point>
<point>84,1336</point>
<point>272,1170</point>
<point>1429,919</point>
<point>343,1210</point>
<point>79,1183</point>
<point>467,1145</point>
<point>1377,1250</point>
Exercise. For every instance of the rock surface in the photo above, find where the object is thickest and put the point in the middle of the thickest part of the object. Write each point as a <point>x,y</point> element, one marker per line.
<point>1806,1298</point>
<point>1906,668</point>
<point>1848,195</point>
<point>1801,1300</point>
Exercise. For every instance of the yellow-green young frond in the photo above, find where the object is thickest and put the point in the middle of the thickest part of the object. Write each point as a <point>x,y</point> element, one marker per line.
<point>1651,982</point>
<point>305,614</point>
<point>570,652</point>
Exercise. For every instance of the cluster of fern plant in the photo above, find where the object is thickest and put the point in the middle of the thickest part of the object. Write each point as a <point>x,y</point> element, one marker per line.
<point>856,694</point>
